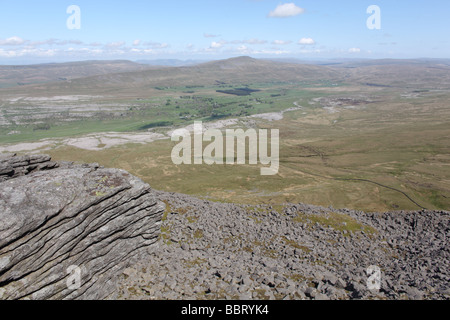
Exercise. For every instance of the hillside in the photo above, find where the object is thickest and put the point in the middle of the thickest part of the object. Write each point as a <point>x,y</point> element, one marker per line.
<point>127,79</point>
<point>239,70</point>
<point>11,76</point>
<point>404,75</point>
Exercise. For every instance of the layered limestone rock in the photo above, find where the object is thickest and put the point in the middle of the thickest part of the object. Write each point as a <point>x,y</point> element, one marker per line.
<point>67,232</point>
<point>12,166</point>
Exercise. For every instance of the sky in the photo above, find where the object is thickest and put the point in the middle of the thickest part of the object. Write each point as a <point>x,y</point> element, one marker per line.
<point>46,31</point>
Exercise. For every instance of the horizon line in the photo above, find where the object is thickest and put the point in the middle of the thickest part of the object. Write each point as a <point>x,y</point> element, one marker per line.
<point>139,61</point>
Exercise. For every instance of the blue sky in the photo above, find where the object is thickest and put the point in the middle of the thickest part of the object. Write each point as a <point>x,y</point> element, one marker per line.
<point>35,31</point>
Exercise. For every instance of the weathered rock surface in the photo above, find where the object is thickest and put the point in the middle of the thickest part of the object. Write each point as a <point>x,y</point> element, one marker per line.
<point>83,216</point>
<point>12,166</point>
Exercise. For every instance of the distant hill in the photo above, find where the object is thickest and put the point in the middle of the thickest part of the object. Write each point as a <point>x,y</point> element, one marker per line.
<point>239,70</point>
<point>425,73</point>
<point>11,76</point>
<point>421,75</point>
<point>129,79</point>
<point>170,62</point>
<point>355,63</point>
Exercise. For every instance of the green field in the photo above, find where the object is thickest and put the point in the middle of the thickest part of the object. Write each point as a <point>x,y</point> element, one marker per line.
<point>166,107</point>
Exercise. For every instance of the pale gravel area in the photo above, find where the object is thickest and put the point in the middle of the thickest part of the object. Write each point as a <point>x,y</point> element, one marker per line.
<point>207,126</point>
<point>60,98</point>
<point>93,142</point>
<point>97,142</point>
<point>20,147</point>
<point>275,116</point>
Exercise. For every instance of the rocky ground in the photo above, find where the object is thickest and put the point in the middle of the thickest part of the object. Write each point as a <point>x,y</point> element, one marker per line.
<point>57,215</point>
<point>224,251</point>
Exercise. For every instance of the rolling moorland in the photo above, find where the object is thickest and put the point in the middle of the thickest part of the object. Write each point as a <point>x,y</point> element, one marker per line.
<point>363,135</point>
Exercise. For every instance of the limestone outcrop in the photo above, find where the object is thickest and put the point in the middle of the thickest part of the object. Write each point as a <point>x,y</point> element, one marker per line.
<point>12,166</point>
<point>67,230</point>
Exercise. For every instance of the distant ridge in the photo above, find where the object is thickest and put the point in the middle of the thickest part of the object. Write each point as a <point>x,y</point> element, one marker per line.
<point>19,75</point>
<point>171,62</point>
<point>346,62</point>
<point>131,78</point>
<point>239,70</point>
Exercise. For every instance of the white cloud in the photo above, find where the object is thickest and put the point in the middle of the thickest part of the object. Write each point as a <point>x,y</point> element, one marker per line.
<point>216,45</point>
<point>142,51</point>
<point>306,41</point>
<point>156,45</point>
<point>209,35</point>
<point>281,42</point>
<point>255,41</point>
<point>286,10</point>
<point>247,51</point>
<point>277,52</point>
<point>136,42</point>
<point>117,44</point>
<point>45,42</point>
<point>7,53</point>
<point>55,42</point>
<point>354,50</point>
<point>27,52</point>
<point>84,51</point>
<point>77,42</point>
<point>249,41</point>
<point>13,41</point>
<point>312,51</point>
<point>243,50</point>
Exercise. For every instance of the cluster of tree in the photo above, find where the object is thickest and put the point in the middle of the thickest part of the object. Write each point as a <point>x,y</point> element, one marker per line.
<point>239,91</point>
<point>156,125</point>
<point>42,126</point>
